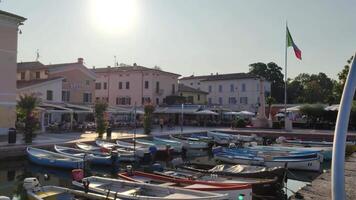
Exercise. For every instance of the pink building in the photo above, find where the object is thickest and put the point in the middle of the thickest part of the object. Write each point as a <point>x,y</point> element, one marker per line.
<point>9,24</point>
<point>127,85</point>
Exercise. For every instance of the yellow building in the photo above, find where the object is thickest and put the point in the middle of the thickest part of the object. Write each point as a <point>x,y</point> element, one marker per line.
<point>9,24</point>
<point>192,95</point>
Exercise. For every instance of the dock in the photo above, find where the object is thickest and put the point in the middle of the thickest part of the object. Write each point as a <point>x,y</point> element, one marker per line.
<point>320,188</point>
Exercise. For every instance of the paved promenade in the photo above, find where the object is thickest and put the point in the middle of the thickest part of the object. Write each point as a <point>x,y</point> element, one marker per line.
<point>320,188</point>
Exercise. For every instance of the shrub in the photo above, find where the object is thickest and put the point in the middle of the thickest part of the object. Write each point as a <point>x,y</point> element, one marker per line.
<point>101,122</point>
<point>239,123</point>
<point>147,118</point>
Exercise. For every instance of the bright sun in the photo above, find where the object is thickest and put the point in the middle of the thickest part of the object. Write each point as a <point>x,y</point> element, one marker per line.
<point>114,16</point>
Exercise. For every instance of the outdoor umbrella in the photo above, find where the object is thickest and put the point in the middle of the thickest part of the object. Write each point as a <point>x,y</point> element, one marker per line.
<point>246,113</point>
<point>231,113</point>
<point>206,112</point>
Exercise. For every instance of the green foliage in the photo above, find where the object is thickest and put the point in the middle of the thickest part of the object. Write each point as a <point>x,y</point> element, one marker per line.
<point>273,73</point>
<point>147,118</point>
<point>25,116</point>
<point>101,122</point>
<point>269,101</point>
<point>314,113</point>
<point>239,123</point>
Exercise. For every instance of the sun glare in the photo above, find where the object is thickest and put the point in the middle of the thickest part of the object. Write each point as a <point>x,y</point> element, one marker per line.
<point>114,16</point>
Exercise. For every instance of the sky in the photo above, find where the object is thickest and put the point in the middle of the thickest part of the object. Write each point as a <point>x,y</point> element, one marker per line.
<point>188,36</point>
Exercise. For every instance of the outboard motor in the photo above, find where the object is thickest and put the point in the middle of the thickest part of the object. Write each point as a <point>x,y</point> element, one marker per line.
<point>32,184</point>
<point>129,170</point>
<point>232,145</point>
<point>177,161</point>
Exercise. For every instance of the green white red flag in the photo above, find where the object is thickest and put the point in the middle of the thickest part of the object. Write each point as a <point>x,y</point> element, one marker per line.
<point>290,43</point>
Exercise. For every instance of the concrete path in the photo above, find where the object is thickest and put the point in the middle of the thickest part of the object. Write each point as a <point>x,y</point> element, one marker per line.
<point>320,188</point>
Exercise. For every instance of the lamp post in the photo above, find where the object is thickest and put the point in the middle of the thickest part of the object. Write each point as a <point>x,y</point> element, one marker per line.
<point>181,123</point>
<point>342,122</point>
<point>135,131</point>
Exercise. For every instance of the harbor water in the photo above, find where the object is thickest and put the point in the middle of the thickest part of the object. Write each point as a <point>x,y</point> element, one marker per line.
<point>12,173</point>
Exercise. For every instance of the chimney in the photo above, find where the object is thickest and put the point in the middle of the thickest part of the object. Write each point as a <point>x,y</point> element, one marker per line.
<point>93,67</point>
<point>217,73</point>
<point>80,60</point>
<point>134,64</point>
<point>109,66</point>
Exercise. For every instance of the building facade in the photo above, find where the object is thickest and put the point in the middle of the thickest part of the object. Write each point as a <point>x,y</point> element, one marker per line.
<point>78,82</point>
<point>193,95</point>
<point>237,91</point>
<point>9,24</point>
<point>130,85</point>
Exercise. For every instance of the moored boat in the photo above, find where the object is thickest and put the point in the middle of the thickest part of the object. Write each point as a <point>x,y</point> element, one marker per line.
<point>35,191</point>
<point>310,164</point>
<point>52,159</point>
<point>189,142</point>
<point>142,191</point>
<point>124,154</point>
<point>232,189</point>
<point>127,148</point>
<point>92,157</point>
<point>260,186</point>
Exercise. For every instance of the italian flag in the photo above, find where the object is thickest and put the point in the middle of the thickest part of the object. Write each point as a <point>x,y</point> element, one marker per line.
<point>290,43</point>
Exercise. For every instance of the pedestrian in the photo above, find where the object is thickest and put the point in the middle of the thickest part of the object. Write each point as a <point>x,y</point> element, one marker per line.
<point>161,123</point>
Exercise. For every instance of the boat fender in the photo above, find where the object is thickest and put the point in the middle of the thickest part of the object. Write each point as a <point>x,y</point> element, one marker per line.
<point>157,167</point>
<point>77,174</point>
<point>129,170</point>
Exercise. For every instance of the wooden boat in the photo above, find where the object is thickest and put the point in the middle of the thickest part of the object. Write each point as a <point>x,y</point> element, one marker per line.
<point>159,146</point>
<point>35,191</point>
<point>221,138</point>
<point>189,142</point>
<point>232,189</point>
<point>93,157</point>
<point>307,143</point>
<point>177,146</point>
<point>310,164</point>
<point>140,151</point>
<point>247,171</point>
<point>124,154</point>
<point>52,159</point>
<point>260,186</point>
<point>136,190</point>
<point>325,151</point>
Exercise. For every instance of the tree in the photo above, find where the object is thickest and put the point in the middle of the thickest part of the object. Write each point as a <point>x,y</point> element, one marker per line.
<point>25,115</point>
<point>342,76</point>
<point>101,122</point>
<point>272,73</point>
<point>147,118</point>
<point>295,91</point>
<point>270,100</point>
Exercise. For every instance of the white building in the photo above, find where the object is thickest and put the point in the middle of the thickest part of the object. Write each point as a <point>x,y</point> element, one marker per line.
<point>237,91</point>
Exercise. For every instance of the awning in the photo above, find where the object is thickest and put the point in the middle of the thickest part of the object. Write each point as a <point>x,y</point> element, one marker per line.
<point>231,113</point>
<point>245,113</point>
<point>206,112</point>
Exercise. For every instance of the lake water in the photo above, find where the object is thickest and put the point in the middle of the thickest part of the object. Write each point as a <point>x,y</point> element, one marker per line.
<point>12,173</point>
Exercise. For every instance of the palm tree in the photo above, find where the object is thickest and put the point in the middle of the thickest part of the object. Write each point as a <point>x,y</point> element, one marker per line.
<point>270,100</point>
<point>25,107</point>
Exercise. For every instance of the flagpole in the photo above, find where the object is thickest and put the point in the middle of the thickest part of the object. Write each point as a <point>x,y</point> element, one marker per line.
<point>285,80</point>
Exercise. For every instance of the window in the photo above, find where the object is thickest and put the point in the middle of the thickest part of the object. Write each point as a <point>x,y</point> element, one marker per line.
<point>173,89</point>
<point>220,88</point>
<point>49,95</point>
<point>87,82</point>
<point>232,100</point>
<point>23,75</point>
<point>87,97</point>
<point>146,100</point>
<point>232,88</point>
<point>243,87</point>
<point>157,87</point>
<point>210,88</point>
<point>198,83</point>
<point>98,86</point>
<point>127,85</point>
<point>120,85</point>
<point>198,97</point>
<point>146,84</point>
<point>65,95</point>
<point>220,100</point>
<point>191,83</point>
<point>38,75</point>
<point>243,100</point>
<point>123,101</point>
<point>209,101</point>
<point>105,85</point>
<point>157,100</point>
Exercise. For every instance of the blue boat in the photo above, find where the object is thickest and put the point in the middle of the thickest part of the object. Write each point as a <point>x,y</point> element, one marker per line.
<point>265,153</point>
<point>93,157</point>
<point>52,159</point>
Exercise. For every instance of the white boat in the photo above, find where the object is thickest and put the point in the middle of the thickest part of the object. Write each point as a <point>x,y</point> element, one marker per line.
<point>190,143</point>
<point>221,138</point>
<point>35,191</point>
<point>141,151</point>
<point>124,154</point>
<point>308,164</point>
<point>144,191</point>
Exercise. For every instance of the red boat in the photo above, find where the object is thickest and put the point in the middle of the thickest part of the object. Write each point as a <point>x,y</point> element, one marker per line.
<point>232,189</point>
